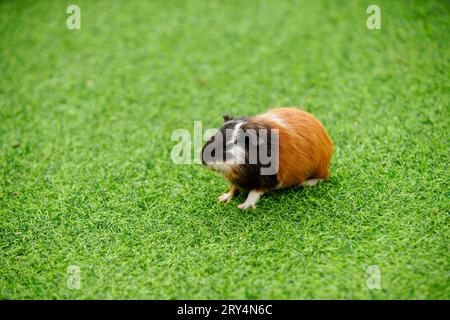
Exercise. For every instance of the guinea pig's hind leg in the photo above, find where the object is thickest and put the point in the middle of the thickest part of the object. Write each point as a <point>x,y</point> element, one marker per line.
<point>252,199</point>
<point>228,196</point>
<point>310,182</point>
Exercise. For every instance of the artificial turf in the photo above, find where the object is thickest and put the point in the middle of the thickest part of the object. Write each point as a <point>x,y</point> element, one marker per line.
<point>86,177</point>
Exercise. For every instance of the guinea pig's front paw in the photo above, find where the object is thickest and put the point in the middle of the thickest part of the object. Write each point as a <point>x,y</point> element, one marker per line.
<point>226,197</point>
<point>252,199</point>
<point>245,206</point>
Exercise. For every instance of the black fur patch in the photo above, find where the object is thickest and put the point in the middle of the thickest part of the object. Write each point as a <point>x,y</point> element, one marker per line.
<point>250,177</point>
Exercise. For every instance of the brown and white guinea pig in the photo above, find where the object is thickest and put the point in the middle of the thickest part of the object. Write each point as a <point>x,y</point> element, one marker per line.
<point>296,143</point>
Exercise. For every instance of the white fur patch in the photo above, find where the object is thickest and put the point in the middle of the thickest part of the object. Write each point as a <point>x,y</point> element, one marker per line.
<point>237,151</point>
<point>310,182</point>
<point>238,155</point>
<point>235,132</point>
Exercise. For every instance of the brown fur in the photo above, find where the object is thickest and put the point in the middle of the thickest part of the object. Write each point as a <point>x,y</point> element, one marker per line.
<point>305,148</point>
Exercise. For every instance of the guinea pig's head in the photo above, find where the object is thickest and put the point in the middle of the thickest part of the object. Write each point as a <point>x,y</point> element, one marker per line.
<point>239,142</point>
<point>222,151</point>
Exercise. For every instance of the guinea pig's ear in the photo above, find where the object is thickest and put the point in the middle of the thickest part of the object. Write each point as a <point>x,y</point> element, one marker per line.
<point>227,117</point>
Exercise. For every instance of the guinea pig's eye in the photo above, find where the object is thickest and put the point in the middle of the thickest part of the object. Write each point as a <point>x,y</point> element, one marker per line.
<point>213,153</point>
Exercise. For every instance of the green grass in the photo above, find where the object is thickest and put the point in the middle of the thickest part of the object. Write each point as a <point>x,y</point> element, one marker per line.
<point>86,177</point>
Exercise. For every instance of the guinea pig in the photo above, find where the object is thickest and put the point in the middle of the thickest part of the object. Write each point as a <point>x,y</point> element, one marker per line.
<point>281,148</point>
